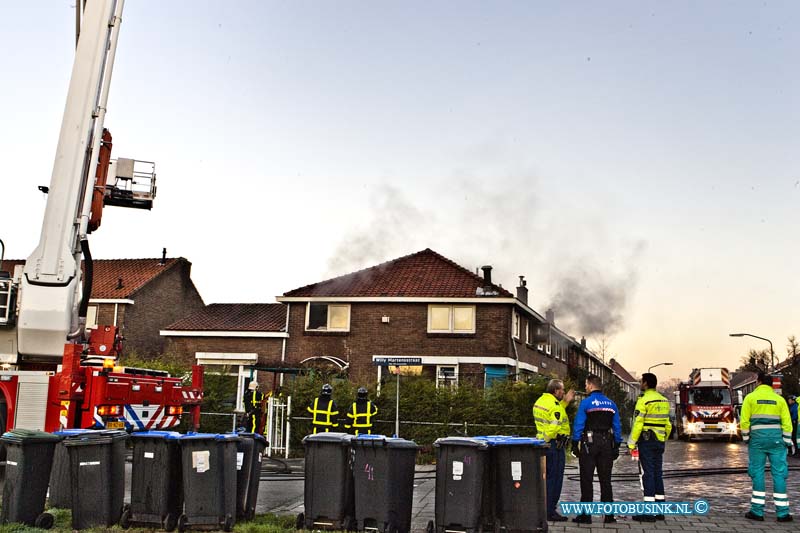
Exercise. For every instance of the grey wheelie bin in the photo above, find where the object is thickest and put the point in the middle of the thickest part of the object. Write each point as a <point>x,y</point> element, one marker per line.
<point>29,457</point>
<point>60,494</point>
<point>462,481</point>
<point>518,484</point>
<point>248,465</point>
<point>208,464</point>
<point>328,485</point>
<point>156,490</point>
<point>97,477</point>
<point>383,474</point>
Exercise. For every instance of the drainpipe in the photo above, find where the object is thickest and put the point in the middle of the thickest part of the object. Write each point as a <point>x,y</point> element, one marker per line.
<point>283,347</point>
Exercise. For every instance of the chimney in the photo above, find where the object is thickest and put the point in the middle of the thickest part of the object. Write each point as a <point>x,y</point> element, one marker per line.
<point>487,275</point>
<point>522,290</point>
<point>550,316</point>
<point>163,257</point>
<point>119,283</point>
<point>583,342</point>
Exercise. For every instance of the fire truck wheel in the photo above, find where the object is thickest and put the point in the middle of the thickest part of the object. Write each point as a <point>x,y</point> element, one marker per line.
<point>170,522</point>
<point>44,521</point>
<point>125,519</point>
<point>182,523</point>
<point>300,523</point>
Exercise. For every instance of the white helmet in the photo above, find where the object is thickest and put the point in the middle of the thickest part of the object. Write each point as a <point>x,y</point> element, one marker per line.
<point>253,385</point>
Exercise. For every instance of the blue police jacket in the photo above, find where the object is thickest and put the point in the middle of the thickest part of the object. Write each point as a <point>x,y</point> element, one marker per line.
<point>593,409</point>
<point>793,412</point>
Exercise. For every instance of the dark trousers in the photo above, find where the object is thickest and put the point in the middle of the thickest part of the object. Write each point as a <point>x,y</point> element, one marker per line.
<point>555,460</point>
<point>599,455</point>
<point>794,435</point>
<point>651,456</point>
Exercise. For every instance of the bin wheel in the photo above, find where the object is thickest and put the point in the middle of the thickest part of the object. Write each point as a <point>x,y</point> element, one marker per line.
<point>183,522</point>
<point>125,519</point>
<point>228,524</point>
<point>251,514</point>
<point>349,523</point>
<point>392,528</point>
<point>170,522</point>
<point>44,521</point>
<point>300,523</point>
<point>430,528</point>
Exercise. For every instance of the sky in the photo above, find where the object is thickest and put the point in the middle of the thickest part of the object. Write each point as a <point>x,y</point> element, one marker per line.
<point>636,161</point>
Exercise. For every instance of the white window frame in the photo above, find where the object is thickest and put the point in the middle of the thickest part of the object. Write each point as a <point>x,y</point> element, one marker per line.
<point>452,319</point>
<point>92,311</point>
<point>515,325</point>
<point>441,382</point>
<point>328,326</point>
<point>242,362</point>
<point>527,332</point>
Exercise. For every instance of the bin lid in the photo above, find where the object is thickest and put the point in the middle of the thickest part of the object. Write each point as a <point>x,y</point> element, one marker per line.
<point>256,436</point>
<point>340,438</point>
<point>461,441</point>
<point>115,434</point>
<point>380,440</point>
<point>505,440</point>
<point>71,432</point>
<point>210,436</point>
<point>24,436</point>
<point>156,435</point>
<point>88,438</point>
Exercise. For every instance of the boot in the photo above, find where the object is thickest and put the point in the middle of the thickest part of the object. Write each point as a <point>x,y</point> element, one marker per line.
<point>609,519</point>
<point>582,519</point>
<point>750,515</point>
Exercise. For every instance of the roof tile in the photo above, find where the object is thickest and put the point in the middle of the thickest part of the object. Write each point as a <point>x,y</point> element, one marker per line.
<point>234,317</point>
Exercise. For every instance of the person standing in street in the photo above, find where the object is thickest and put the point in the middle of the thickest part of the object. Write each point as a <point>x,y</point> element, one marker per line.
<point>361,413</point>
<point>651,427</point>
<point>552,425</point>
<point>323,411</point>
<point>596,439</point>
<point>792,402</point>
<point>253,407</point>
<point>767,428</point>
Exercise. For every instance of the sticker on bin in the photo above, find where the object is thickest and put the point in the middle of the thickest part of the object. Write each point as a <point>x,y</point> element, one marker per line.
<point>11,463</point>
<point>458,470</point>
<point>239,460</point>
<point>149,455</point>
<point>516,470</point>
<point>201,461</point>
<point>90,463</point>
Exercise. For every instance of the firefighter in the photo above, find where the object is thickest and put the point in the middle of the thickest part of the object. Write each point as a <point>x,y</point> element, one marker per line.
<point>361,414</point>
<point>767,428</point>
<point>323,411</point>
<point>253,407</point>
<point>651,427</point>
<point>792,402</point>
<point>596,438</point>
<point>552,425</point>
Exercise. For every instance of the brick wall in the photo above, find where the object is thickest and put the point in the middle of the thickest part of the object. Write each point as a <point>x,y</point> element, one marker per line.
<point>185,348</point>
<point>168,298</point>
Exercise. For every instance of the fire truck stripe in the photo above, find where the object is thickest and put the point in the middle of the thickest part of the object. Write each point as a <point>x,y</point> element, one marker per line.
<point>156,416</point>
<point>134,416</point>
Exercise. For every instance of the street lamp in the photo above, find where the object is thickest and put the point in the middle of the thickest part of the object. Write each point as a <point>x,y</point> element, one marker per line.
<point>659,364</point>
<point>771,350</point>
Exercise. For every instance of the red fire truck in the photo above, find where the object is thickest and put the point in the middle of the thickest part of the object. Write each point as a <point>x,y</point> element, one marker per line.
<point>704,407</point>
<point>56,373</point>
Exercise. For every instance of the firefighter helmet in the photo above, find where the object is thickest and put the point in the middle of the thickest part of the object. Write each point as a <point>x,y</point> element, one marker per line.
<point>253,385</point>
<point>362,393</point>
<point>327,389</point>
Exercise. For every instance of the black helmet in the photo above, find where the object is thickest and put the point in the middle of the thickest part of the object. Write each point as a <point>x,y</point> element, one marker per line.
<point>327,389</point>
<point>362,393</point>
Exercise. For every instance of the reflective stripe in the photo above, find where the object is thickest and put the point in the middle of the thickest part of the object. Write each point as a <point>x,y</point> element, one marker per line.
<point>649,499</point>
<point>545,409</point>
<point>781,504</point>
<point>551,422</point>
<point>650,415</point>
<point>660,497</point>
<point>757,500</point>
<point>759,493</point>
<point>761,415</point>
<point>778,495</point>
<point>764,426</point>
<point>745,438</point>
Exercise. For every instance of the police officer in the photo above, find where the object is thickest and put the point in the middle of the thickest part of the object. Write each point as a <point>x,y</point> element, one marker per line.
<point>767,428</point>
<point>792,402</point>
<point>596,438</point>
<point>651,427</point>
<point>361,413</point>
<point>253,407</point>
<point>324,410</point>
<point>552,425</point>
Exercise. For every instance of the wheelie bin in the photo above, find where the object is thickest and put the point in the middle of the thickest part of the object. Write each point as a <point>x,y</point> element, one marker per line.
<point>383,474</point>
<point>249,457</point>
<point>156,490</point>
<point>29,457</point>
<point>97,477</point>
<point>60,494</point>
<point>462,484</point>
<point>208,463</point>
<point>328,484</point>
<point>518,483</point>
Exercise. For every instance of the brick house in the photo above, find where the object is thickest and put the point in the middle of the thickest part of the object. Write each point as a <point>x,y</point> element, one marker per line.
<point>629,384</point>
<point>461,325</point>
<point>238,340</point>
<point>140,296</point>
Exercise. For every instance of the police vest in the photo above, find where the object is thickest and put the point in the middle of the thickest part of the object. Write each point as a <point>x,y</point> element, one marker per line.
<point>550,417</point>
<point>651,414</point>
<point>766,414</point>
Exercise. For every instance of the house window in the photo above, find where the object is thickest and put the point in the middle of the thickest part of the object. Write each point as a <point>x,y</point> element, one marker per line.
<point>527,332</point>
<point>494,373</point>
<point>446,376</point>
<point>515,325</point>
<point>328,317</point>
<point>91,316</point>
<point>451,319</point>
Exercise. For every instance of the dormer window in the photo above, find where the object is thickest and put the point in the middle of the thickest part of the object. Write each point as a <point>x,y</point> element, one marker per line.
<point>327,317</point>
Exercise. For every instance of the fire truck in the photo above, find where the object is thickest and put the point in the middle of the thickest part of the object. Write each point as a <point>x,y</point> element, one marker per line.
<point>704,407</point>
<point>56,373</point>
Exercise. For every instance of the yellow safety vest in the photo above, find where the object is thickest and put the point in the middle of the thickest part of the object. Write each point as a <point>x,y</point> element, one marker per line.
<point>362,420</point>
<point>765,413</point>
<point>323,417</point>
<point>551,417</point>
<point>651,414</point>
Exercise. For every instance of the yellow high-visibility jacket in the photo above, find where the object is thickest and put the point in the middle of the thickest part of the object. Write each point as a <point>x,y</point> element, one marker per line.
<point>652,413</point>
<point>551,417</point>
<point>765,414</point>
